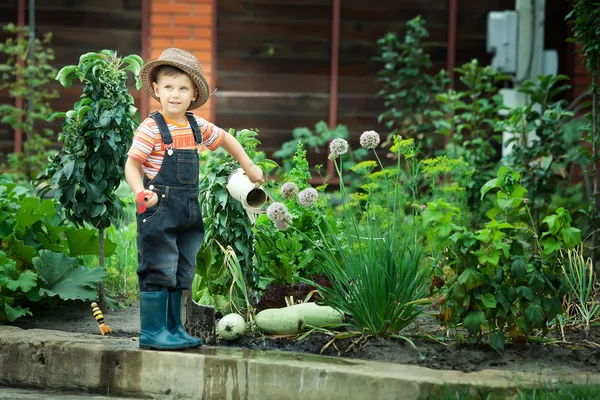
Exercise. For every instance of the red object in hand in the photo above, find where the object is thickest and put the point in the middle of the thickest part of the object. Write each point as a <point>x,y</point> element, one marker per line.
<point>140,202</point>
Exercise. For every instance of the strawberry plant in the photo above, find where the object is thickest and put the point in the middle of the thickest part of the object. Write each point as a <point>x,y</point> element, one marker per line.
<point>502,278</point>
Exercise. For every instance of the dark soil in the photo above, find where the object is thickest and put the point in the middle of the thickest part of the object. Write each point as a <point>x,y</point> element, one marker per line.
<point>577,355</point>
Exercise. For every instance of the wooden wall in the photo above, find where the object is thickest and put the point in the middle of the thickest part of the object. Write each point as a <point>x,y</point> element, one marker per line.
<point>78,27</point>
<point>273,60</point>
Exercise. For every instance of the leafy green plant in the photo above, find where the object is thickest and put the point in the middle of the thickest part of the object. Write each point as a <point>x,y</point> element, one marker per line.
<point>27,79</point>
<point>585,19</point>
<point>285,256</point>
<point>96,136</point>
<point>37,253</point>
<point>408,88</point>
<point>225,220</point>
<point>469,117</point>
<point>502,278</point>
<point>539,152</point>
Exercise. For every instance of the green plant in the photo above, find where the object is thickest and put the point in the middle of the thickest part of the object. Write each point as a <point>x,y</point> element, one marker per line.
<point>376,268</point>
<point>96,136</point>
<point>469,118</point>
<point>225,220</point>
<point>585,19</point>
<point>27,78</point>
<point>539,152</point>
<point>408,88</point>
<point>37,253</point>
<point>285,255</point>
<point>579,275</point>
<point>502,278</point>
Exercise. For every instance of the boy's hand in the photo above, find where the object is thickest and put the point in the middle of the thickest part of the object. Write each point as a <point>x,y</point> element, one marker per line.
<point>255,174</point>
<point>145,199</point>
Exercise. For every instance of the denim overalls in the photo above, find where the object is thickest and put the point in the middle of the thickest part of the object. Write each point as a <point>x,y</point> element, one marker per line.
<point>169,234</point>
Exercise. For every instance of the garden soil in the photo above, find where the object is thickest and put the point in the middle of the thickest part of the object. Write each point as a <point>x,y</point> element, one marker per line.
<point>578,354</point>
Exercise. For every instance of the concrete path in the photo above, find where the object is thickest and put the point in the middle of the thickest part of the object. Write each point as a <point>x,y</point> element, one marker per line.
<point>56,360</point>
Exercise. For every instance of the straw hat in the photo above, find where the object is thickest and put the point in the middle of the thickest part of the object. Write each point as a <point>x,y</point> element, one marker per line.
<point>184,61</point>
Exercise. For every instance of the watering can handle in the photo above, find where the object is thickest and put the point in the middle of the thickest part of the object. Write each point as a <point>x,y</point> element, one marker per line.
<point>256,185</point>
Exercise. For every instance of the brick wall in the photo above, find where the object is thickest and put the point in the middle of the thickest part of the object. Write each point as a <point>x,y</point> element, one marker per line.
<point>188,25</point>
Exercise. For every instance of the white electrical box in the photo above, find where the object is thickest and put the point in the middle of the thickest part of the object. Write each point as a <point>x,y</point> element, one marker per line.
<point>502,35</point>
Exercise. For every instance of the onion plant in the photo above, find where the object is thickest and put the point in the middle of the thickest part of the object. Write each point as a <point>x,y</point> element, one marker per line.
<point>579,275</point>
<point>376,267</point>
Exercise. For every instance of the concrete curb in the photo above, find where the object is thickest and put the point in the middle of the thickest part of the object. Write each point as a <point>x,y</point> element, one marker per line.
<point>69,361</point>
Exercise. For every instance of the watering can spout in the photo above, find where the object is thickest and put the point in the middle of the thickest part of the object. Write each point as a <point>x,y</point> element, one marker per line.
<point>251,195</point>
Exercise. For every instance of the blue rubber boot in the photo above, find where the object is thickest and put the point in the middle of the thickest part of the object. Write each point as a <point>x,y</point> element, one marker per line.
<point>174,324</point>
<point>153,323</point>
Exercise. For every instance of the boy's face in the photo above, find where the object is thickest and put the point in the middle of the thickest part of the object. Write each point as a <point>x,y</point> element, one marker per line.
<point>175,93</point>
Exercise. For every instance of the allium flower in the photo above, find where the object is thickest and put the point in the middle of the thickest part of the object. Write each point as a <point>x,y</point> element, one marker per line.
<point>369,140</point>
<point>289,190</point>
<point>281,225</point>
<point>308,197</point>
<point>278,212</point>
<point>337,147</point>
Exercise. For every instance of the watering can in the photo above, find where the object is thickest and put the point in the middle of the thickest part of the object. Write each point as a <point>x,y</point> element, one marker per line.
<point>251,195</point>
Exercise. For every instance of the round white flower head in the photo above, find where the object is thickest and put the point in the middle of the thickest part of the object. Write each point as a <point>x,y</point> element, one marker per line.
<point>337,147</point>
<point>308,197</point>
<point>289,190</point>
<point>369,140</point>
<point>278,212</point>
<point>281,225</point>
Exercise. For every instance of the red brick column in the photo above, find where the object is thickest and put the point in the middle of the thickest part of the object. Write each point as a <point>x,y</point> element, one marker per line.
<point>188,25</point>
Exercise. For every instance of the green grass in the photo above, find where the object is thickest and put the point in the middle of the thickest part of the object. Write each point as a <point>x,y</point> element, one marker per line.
<point>567,392</point>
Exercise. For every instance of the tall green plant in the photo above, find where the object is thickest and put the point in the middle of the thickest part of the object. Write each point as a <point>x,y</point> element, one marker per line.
<point>96,136</point>
<point>27,79</point>
<point>225,220</point>
<point>585,19</point>
<point>408,88</point>
<point>542,160</point>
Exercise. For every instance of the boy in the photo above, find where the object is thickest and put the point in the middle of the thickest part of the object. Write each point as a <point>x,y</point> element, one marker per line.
<point>162,169</point>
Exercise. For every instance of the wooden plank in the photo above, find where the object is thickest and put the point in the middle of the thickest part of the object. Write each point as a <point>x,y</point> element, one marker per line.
<point>84,19</point>
<point>90,5</point>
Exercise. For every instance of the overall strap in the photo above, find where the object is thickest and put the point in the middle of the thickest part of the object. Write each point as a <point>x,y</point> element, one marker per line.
<point>162,127</point>
<point>194,125</point>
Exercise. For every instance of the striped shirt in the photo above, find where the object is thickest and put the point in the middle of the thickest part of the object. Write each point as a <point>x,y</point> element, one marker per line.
<point>149,149</point>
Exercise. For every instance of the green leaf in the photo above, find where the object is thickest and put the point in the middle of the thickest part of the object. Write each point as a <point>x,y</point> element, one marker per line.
<point>66,75</point>
<point>12,313</point>
<point>26,281</point>
<point>87,242</point>
<point>525,292</point>
<point>535,315</point>
<point>552,307</point>
<point>475,321</point>
<point>497,340</point>
<point>493,183</point>
<point>489,301</point>
<point>550,245</point>
<point>62,277</point>
<point>571,236</point>
<point>471,278</point>
<point>517,268</point>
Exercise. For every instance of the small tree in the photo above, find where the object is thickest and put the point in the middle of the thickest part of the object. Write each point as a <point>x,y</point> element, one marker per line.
<point>585,18</point>
<point>96,136</point>
<point>27,79</point>
<point>408,88</point>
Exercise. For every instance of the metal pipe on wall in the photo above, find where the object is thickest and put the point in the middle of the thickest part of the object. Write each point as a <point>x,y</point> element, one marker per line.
<point>18,135</point>
<point>144,95</point>
<point>451,56</point>
<point>334,73</point>
<point>31,62</point>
